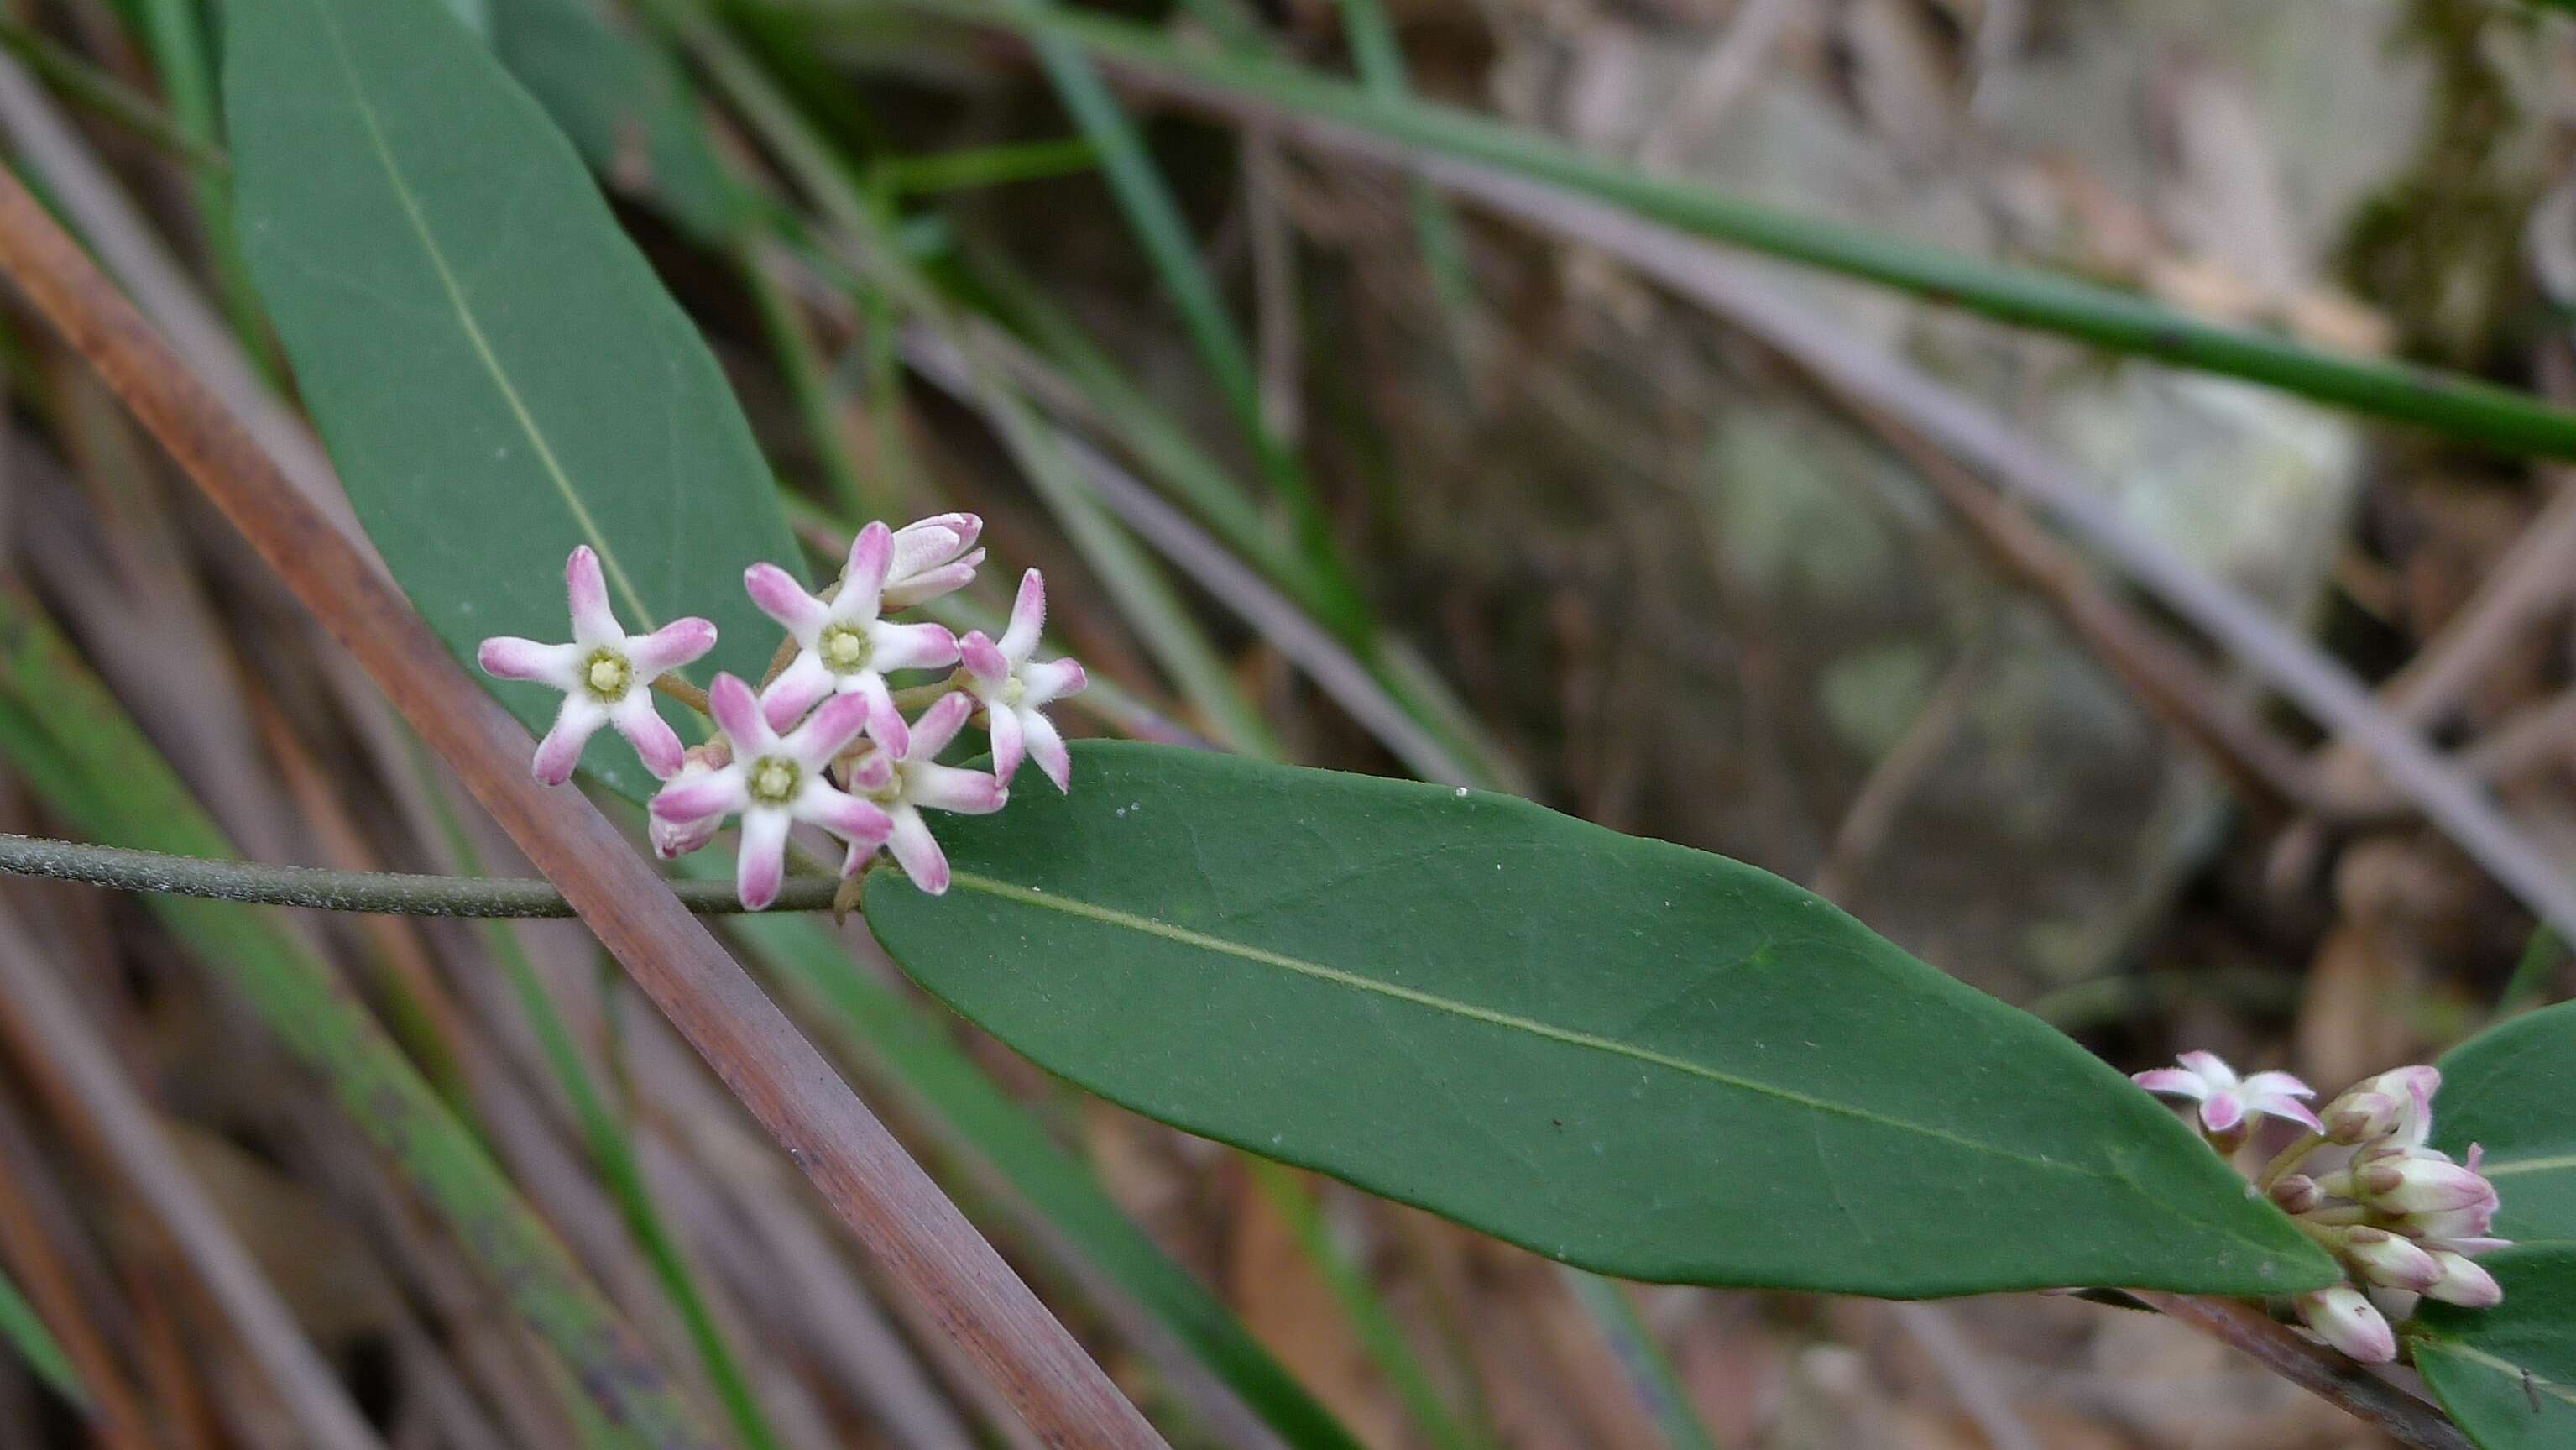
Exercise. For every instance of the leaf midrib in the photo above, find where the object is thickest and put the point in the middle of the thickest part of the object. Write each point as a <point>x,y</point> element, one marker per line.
<point>647,622</point>
<point>2519,1374</point>
<point>1112,916</point>
<point>2510,1166</point>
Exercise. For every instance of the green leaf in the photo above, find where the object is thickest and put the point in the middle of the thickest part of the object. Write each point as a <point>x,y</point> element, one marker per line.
<point>2508,1374</point>
<point>626,108</point>
<point>1634,1057</point>
<point>2507,1090</point>
<point>498,373</point>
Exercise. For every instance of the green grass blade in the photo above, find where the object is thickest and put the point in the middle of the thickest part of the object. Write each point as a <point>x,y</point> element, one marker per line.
<point>177,38</point>
<point>35,1344</point>
<point>1650,1374</point>
<point>94,768</point>
<point>1369,1318</point>
<point>986,166</point>
<point>1379,58</point>
<point>2447,403</point>
<point>1155,218</point>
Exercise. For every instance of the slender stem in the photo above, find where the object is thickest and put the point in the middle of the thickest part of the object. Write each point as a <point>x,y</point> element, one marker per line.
<point>2289,1158</point>
<point>2313,1367</point>
<point>383,892</point>
<point>682,691</point>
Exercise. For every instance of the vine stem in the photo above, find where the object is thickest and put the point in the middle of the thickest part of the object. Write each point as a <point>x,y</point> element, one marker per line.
<point>2313,1367</point>
<point>380,892</point>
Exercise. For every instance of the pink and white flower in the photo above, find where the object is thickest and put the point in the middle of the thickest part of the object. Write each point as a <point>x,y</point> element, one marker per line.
<point>606,675</point>
<point>1013,689</point>
<point>843,647</point>
<point>2229,1103</point>
<point>772,782</point>
<point>932,557</point>
<point>902,783</point>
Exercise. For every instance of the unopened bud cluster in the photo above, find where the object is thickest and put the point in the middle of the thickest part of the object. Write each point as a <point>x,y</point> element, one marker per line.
<point>2406,1222</point>
<point>822,740</point>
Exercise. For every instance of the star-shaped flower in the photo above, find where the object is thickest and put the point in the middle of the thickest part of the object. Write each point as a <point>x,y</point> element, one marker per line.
<point>606,675</point>
<point>1012,688</point>
<point>904,782</point>
<point>772,782</point>
<point>842,646</point>
<point>2228,1102</point>
<point>932,557</point>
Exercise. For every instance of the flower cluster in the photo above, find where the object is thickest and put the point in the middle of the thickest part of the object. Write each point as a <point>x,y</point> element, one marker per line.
<point>2404,1220</point>
<point>824,740</point>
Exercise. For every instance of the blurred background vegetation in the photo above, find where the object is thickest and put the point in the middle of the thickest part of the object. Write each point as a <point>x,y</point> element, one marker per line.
<point>1330,463</point>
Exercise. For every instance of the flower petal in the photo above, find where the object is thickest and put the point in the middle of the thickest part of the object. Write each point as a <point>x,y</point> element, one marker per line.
<point>780,597</point>
<point>922,544</point>
<point>557,754</point>
<point>983,662</point>
<point>593,622</point>
<point>2281,1083</point>
<point>917,851</point>
<point>738,714</point>
<point>717,793</point>
<point>644,728</point>
<point>760,861</point>
<point>1047,748</point>
<point>1002,723</point>
<point>931,583</point>
<point>805,680</point>
<point>508,657</point>
<point>2212,1068</point>
<point>1047,681</point>
<point>947,788</point>
<point>2281,1105</point>
<point>2221,1111</point>
<point>2172,1081</point>
<point>885,722</point>
<point>911,647</point>
<point>680,642</point>
<point>828,731</point>
<point>853,820</point>
<point>938,725</point>
<point>863,586</point>
<point>1028,617</point>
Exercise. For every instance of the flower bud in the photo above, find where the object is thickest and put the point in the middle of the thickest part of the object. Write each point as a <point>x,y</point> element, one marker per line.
<point>674,839</point>
<point>2396,1104</point>
<point>2421,1181</point>
<point>2462,1282</point>
<point>2343,1318</point>
<point>2383,1258</point>
<point>2297,1193</point>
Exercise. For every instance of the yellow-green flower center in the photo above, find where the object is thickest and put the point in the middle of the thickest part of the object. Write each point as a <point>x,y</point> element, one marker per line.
<point>1014,690</point>
<point>608,675</point>
<point>774,780</point>
<point>843,650</point>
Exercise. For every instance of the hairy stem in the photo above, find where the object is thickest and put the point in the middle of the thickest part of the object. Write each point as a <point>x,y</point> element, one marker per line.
<point>385,893</point>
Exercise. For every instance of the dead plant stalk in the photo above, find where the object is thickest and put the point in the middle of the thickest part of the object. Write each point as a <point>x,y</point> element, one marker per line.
<point>919,1238</point>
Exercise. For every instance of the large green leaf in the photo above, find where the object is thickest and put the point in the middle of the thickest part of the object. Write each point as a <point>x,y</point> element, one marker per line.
<point>1638,1058</point>
<point>2509,1090</point>
<point>497,371</point>
<point>2508,1374</point>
